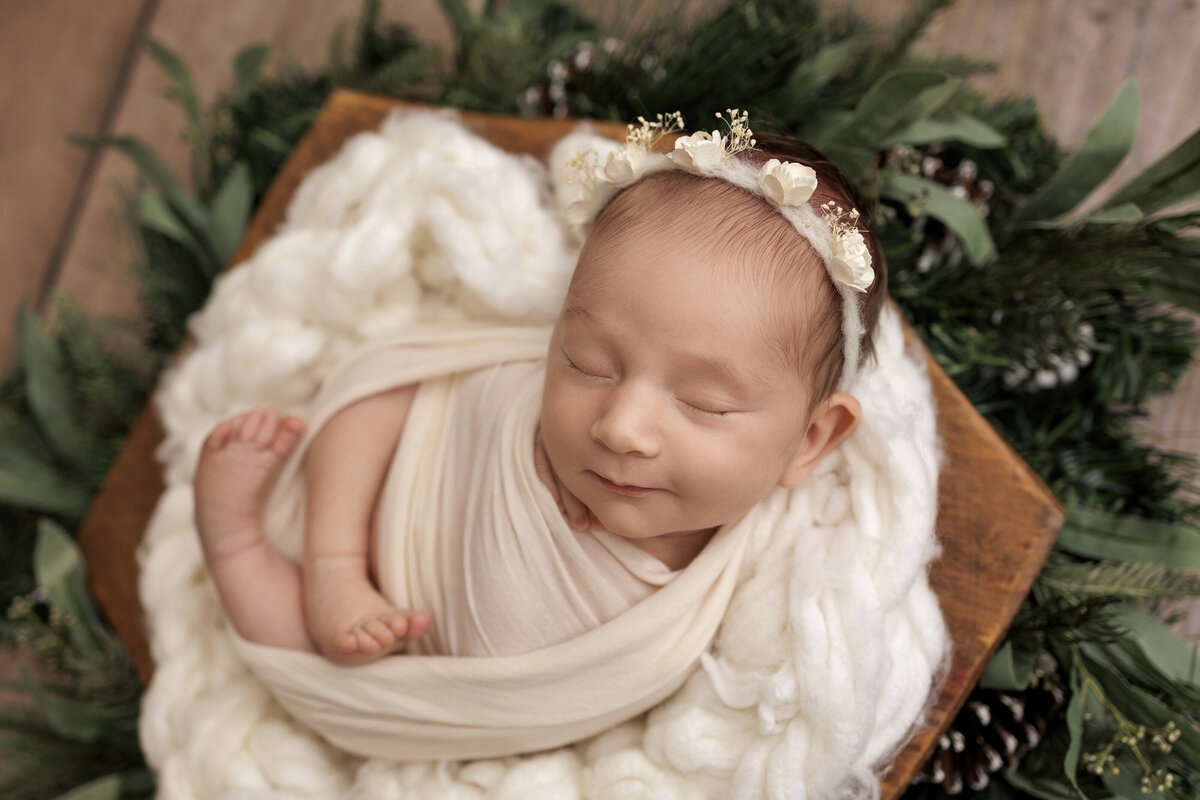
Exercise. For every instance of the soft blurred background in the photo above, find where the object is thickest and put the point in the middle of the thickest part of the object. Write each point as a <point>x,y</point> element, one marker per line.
<point>73,66</point>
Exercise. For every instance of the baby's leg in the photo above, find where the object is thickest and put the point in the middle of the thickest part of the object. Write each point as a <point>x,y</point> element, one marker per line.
<point>349,620</point>
<point>259,587</point>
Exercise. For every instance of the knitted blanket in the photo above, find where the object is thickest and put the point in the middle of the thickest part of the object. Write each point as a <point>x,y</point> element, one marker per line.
<point>830,640</point>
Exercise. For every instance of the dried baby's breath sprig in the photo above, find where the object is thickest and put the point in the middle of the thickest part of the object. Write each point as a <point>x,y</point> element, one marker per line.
<point>584,169</point>
<point>646,134</point>
<point>740,136</point>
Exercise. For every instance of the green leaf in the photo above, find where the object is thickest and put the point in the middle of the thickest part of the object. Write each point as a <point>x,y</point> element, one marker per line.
<point>154,214</point>
<point>74,720</point>
<point>58,567</point>
<point>184,206</point>
<point>1172,180</point>
<point>49,390</point>
<point>938,202</point>
<point>958,128</point>
<point>247,65</point>
<point>812,74</point>
<point>1162,645</point>
<point>1101,535</point>
<point>107,787</point>
<point>231,211</point>
<point>1074,718</point>
<point>1007,669</point>
<point>1117,215</point>
<point>896,101</point>
<point>38,486</point>
<point>1040,786</point>
<point>1177,282</point>
<point>460,17</point>
<point>1104,147</point>
<point>1142,707</point>
<point>181,82</point>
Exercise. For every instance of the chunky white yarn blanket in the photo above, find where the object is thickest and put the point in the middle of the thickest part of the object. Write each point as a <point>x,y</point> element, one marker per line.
<point>832,638</point>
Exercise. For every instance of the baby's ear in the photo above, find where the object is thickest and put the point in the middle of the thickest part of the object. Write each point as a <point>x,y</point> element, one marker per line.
<point>833,421</point>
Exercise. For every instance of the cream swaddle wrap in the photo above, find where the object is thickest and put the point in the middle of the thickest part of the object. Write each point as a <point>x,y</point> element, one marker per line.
<point>830,640</point>
<point>561,647</point>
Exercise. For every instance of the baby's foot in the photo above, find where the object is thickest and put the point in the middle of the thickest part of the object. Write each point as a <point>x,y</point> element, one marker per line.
<point>350,621</point>
<point>237,464</point>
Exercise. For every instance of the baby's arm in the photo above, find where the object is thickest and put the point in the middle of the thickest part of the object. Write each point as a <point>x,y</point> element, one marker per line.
<point>344,469</point>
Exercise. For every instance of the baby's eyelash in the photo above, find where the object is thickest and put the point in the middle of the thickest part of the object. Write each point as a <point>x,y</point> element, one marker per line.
<point>576,368</point>
<point>709,412</point>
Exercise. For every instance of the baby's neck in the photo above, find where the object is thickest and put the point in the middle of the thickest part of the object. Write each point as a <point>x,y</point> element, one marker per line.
<point>676,550</point>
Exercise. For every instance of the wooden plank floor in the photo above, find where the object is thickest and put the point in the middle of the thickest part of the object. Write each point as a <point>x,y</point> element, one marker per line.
<point>75,66</point>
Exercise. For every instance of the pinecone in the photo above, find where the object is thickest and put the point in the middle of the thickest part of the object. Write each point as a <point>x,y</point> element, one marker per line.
<point>960,178</point>
<point>992,732</point>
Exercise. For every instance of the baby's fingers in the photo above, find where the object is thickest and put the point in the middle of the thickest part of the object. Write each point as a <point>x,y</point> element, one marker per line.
<point>578,515</point>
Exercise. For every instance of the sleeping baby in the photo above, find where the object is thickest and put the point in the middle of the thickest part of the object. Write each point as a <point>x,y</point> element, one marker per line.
<point>722,303</point>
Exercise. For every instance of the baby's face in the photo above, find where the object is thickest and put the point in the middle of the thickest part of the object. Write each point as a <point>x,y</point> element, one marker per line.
<point>666,408</point>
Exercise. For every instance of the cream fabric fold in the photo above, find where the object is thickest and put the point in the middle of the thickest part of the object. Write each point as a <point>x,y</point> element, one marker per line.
<point>542,636</point>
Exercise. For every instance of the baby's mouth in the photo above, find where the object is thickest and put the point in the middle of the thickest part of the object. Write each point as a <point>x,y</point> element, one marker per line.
<point>627,489</point>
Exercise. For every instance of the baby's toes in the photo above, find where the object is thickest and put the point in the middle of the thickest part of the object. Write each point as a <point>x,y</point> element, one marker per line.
<point>418,625</point>
<point>249,425</point>
<point>381,632</point>
<point>219,436</point>
<point>267,428</point>
<point>287,435</point>
<point>366,642</point>
<point>397,624</point>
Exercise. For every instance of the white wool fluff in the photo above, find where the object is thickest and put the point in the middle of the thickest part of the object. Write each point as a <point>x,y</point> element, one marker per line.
<point>830,644</point>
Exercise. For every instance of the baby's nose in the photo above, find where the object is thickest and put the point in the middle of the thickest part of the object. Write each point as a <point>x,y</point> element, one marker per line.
<point>628,424</point>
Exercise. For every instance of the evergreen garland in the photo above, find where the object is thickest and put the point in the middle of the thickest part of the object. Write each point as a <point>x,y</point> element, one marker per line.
<point>1054,327</point>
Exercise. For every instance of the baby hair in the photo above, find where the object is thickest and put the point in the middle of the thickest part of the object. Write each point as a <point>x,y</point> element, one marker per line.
<point>747,232</point>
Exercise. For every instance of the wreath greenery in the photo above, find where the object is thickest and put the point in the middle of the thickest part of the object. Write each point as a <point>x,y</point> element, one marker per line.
<point>1057,325</point>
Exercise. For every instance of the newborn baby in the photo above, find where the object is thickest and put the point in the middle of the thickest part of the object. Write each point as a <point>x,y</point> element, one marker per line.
<point>693,368</point>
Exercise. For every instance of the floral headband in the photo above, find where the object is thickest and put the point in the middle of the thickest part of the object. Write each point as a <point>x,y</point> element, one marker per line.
<point>788,186</point>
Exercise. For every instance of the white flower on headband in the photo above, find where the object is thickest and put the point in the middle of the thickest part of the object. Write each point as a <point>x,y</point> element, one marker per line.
<point>851,262</point>
<point>786,183</point>
<point>699,152</point>
<point>624,165</point>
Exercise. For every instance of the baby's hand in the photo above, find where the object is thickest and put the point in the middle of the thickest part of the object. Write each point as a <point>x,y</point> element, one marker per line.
<point>579,516</point>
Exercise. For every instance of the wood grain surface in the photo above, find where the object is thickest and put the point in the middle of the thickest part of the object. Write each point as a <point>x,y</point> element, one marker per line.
<point>996,520</point>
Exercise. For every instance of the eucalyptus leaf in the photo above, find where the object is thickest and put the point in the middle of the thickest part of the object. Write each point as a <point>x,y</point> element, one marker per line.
<point>58,567</point>
<point>74,720</point>
<point>181,82</point>
<point>231,211</point>
<point>1101,535</point>
<point>39,487</point>
<point>1100,152</point>
<point>1143,707</point>
<point>1177,282</point>
<point>897,100</point>
<point>813,73</point>
<point>247,65</point>
<point>1074,718</point>
<point>154,214</point>
<point>938,202</point>
<point>1172,180</point>
<point>1163,646</point>
<point>958,128</point>
<point>1123,214</point>
<point>1040,786</point>
<point>106,787</point>
<point>462,21</point>
<point>184,206</point>
<point>48,385</point>
<point>1007,669</point>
